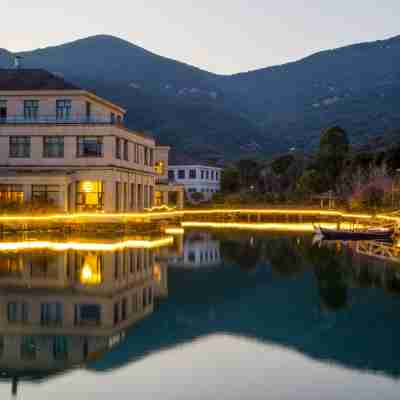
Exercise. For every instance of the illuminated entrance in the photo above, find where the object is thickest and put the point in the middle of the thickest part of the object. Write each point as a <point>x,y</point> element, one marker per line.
<point>89,196</point>
<point>158,198</point>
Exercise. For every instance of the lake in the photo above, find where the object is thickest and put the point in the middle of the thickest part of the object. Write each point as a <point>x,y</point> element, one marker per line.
<point>204,315</point>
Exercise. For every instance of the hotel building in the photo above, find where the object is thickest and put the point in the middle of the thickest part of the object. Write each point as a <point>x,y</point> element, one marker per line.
<point>62,145</point>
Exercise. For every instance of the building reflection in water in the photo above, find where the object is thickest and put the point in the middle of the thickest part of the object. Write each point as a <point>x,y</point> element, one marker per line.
<point>67,308</point>
<point>62,308</point>
<point>197,249</point>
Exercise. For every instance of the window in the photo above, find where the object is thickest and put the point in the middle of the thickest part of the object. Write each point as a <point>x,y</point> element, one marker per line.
<point>12,193</point>
<point>144,297</point>
<point>192,174</point>
<point>171,175</point>
<point>133,197</point>
<point>202,174</point>
<point>17,312</point>
<point>216,176</point>
<point>90,146</point>
<point>63,109</point>
<point>146,196</point>
<point>151,157</point>
<point>60,348</point>
<point>140,195</point>
<point>181,174</point>
<point>135,303</point>
<point>3,111</point>
<point>116,265</point>
<point>151,195</point>
<point>87,314</point>
<point>118,196</point>
<point>53,147</point>
<point>47,193</point>
<point>89,196</point>
<point>51,313</point>
<point>123,310</point>
<point>192,257</point>
<point>112,118</point>
<point>212,175</point>
<point>160,167</point>
<point>31,109</point>
<point>89,268</point>
<point>126,150</point>
<point>28,348</point>
<point>125,196</point>
<point>20,146</point>
<point>118,148</point>
<point>136,153</point>
<point>207,174</point>
<point>146,156</point>
<point>116,313</point>
<point>88,110</point>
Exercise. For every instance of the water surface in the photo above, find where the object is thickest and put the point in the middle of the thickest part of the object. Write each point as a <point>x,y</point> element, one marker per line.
<point>214,315</point>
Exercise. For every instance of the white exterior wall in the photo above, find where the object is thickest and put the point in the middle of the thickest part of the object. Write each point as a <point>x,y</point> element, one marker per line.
<point>201,183</point>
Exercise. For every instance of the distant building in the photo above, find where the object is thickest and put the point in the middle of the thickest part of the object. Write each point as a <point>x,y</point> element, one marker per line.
<point>196,179</point>
<point>67,146</point>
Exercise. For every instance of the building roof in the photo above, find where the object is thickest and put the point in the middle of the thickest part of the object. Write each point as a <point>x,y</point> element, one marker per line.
<point>32,79</point>
<point>195,165</point>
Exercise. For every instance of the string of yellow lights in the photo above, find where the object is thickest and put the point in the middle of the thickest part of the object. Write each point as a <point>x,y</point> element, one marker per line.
<point>64,246</point>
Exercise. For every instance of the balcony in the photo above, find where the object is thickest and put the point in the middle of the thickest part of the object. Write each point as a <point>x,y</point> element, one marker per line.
<point>73,119</point>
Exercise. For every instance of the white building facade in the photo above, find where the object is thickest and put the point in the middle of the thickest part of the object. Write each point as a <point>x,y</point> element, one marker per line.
<point>196,179</point>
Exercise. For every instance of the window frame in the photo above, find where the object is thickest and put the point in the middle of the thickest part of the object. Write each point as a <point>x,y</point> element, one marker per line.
<point>31,109</point>
<point>80,141</point>
<point>14,151</point>
<point>63,112</point>
<point>59,145</point>
<point>126,149</point>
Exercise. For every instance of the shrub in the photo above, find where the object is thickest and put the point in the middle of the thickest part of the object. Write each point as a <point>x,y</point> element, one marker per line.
<point>372,197</point>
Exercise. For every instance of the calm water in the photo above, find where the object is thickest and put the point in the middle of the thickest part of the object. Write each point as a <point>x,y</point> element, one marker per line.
<point>218,315</point>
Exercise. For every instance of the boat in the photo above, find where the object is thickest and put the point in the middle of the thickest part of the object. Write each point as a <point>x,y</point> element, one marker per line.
<point>369,234</point>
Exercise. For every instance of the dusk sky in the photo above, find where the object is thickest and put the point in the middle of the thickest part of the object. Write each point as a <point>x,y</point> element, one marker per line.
<point>218,35</point>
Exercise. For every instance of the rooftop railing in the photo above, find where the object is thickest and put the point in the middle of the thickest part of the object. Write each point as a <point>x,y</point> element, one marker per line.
<point>54,119</point>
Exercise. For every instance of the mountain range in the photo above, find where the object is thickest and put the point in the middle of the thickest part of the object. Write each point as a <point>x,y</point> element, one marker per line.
<point>222,117</point>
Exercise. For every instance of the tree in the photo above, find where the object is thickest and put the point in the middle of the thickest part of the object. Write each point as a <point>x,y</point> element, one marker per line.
<point>373,197</point>
<point>281,164</point>
<point>334,142</point>
<point>248,172</point>
<point>333,149</point>
<point>230,180</point>
<point>310,182</point>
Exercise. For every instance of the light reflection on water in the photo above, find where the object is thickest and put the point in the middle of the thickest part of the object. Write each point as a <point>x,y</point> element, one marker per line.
<point>213,315</point>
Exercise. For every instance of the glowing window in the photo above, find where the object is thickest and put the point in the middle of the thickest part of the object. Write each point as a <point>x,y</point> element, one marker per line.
<point>160,167</point>
<point>90,268</point>
<point>89,195</point>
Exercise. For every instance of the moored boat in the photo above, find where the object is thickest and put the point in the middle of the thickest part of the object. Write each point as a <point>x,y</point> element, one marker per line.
<point>370,234</point>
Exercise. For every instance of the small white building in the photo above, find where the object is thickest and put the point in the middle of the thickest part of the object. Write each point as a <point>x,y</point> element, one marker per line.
<point>196,179</point>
